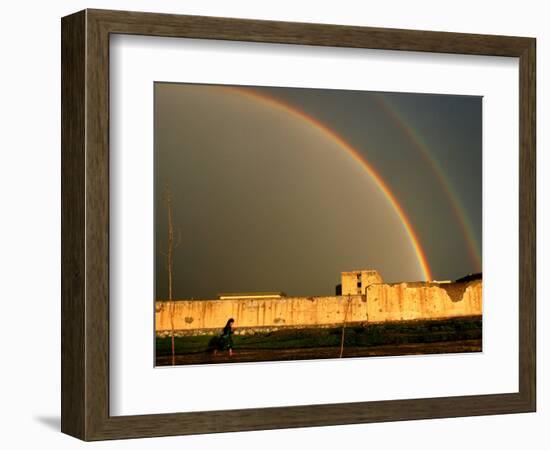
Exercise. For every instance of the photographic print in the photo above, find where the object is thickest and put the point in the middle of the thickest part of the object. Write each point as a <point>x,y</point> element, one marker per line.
<point>300,223</point>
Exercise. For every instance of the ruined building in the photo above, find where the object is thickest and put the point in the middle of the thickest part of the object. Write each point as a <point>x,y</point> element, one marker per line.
<point>357,281</point>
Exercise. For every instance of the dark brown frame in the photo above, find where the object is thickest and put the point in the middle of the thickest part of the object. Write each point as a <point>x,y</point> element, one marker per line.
<point>85,224</point>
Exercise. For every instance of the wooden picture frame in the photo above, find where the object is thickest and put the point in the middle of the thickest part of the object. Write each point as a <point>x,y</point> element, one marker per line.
<point>85,224</point>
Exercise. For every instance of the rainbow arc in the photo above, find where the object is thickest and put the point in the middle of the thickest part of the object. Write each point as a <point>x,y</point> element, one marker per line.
<point>342,143</point>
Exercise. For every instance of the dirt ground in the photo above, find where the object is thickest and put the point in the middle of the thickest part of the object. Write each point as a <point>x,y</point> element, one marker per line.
<point>257,355</point>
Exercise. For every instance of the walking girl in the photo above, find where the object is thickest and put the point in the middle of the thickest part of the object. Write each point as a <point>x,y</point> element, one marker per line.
<point>225,341</point>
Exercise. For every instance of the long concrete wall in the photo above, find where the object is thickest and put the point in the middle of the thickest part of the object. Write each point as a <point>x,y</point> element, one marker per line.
<point>413,301</point>
<point>382,303</point>
<point>276,312</point>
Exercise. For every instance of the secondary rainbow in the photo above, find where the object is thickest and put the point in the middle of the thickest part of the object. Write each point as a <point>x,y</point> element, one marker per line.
<point>335,137</point>
<point>454,200</point>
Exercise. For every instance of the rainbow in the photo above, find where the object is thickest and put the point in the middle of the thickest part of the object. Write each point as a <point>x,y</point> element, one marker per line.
<point>456,205</point>
<point>341,142</point>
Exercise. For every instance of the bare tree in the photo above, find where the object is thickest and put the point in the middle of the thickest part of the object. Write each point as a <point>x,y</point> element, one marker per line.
<point>171,246</point>
<point>347,306</point>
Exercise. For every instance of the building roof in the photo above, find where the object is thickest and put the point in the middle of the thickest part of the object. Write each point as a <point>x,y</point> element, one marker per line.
<point>251,295</point>
<point>360,271</point>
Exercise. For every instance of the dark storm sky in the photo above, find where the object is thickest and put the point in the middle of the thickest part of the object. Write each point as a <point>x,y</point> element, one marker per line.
<point>256,213</point>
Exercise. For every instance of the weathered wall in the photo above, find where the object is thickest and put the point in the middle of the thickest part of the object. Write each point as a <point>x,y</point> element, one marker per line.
<point>287,311</point>
<point>382,302</point>
<point>411,301</point>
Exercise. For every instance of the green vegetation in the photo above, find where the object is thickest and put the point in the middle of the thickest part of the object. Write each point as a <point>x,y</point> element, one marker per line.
<point>356,336</point>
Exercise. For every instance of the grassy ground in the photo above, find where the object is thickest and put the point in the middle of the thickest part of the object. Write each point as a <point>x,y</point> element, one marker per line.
<point>435,336</point>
